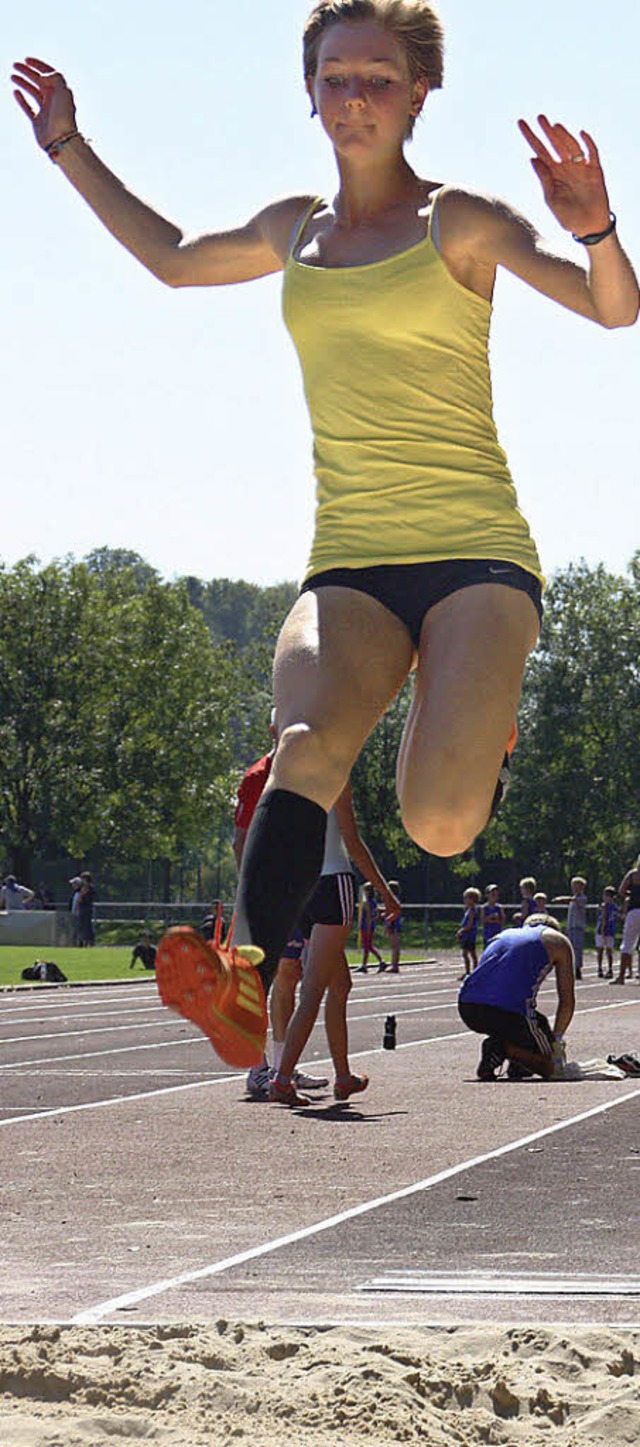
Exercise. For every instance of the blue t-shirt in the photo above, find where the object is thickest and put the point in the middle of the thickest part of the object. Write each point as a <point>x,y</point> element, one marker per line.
<point>510,972</point>
<point>607,919</point>
<point>469,926</point>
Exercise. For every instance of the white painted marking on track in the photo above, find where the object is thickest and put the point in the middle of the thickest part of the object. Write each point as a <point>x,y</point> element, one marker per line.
<point>267,1248</point>
<point>84,1015</point>
<point>97,1030</point>
<point>119,1050</point>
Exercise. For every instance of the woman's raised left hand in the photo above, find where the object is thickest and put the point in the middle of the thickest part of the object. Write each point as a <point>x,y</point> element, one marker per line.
<point>571,179</point>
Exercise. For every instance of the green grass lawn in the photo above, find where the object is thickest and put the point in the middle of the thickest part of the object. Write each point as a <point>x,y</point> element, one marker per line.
<point>105,962</point>
<point>111,962</point>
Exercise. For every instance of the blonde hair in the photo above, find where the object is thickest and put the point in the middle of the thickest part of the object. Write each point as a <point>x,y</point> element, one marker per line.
<point>528,883</point>
<point>472,893</point>
<point>546,919</point>
<point>578,879</point>
<point>414,23</point>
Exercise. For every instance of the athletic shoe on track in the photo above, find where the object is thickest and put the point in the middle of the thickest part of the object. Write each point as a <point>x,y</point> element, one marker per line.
<point>258,1081</point>
<point>309,1082</point>
<point>352,1085</point>
<point>491,1059</point>
<point>217,988</point>
<point>285,1094</point>
<point>516,1071</point>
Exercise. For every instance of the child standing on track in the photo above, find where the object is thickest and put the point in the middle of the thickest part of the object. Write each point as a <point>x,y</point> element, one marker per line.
<point>367,921</point>
<point>493,915</point>
<point>606,930</point>
<point>576,918</point>
<point>421,551</point>
<point>468,932</point>
<point>527,903</point>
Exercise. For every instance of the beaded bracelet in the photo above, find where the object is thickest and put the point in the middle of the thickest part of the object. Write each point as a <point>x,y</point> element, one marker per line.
<point>594,237</point>
<point>54,147</point>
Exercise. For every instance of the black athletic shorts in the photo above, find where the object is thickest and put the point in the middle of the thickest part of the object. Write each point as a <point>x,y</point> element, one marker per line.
<point>332,902</point>
<point>409,590</point>
<point>507,1026</point>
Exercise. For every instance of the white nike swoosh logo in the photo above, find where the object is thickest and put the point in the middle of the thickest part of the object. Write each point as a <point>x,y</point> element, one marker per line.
<point>500,570</point>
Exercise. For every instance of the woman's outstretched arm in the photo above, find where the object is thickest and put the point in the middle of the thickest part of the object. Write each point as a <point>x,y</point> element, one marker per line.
<point>250,251</point>
<point>479,233</point>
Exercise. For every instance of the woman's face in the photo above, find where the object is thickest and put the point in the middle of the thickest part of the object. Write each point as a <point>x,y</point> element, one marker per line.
<point>363,90</point>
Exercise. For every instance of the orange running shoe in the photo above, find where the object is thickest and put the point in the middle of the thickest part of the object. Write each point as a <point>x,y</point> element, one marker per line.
<point>218,989</point>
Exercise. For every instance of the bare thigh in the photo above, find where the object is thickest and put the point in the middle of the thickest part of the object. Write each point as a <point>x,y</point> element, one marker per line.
<point>327,966</point>
<point>473,650</point>
<point>340,659</point>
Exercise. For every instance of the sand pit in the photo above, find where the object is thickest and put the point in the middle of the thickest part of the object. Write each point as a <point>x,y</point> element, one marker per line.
<point>220,1385</point>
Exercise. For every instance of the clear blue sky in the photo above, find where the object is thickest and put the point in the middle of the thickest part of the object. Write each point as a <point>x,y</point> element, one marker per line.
<point>173,423</point>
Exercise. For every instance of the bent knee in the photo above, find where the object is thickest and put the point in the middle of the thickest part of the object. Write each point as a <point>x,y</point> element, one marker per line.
<point>444,832</point>
<point>310,761</point>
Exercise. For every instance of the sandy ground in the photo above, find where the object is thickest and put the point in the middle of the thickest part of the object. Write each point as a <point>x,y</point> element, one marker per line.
<point>221,1385</point>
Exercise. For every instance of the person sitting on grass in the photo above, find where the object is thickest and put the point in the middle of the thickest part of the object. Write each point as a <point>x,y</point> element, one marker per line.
<point>498,1000</point>
<point>145,951</point>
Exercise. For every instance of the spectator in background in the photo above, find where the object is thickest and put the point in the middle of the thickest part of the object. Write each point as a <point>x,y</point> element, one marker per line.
<point>13,895</point>
<point>527,888</point>
<point>540,901</point>
<point>76,885</point>
<point>630,892</point>
<point>86,903</point>
<point>606,930</point>
<point>208,926</point>
<point>393,927</point>
<point>367,921</point>
<point>576,917</point>
<point>493,915</point>
<point>145,951</point>
<point>42,898</point>
<point>468,932</point>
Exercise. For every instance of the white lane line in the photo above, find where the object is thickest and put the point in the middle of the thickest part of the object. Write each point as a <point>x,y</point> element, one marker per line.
<point>185,1278</point>
<point>83,1015</point>
<point>97,1030</point>
<point>120,1050</point>
<point>197,1085</point>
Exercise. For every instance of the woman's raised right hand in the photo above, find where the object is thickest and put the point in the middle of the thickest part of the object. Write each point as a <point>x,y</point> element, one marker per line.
<point>55,115</point>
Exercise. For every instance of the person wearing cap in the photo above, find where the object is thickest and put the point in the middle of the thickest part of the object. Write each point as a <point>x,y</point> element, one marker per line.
<point>13,895</point>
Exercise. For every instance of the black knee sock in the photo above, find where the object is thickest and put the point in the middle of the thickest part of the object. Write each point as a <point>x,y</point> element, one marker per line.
<point>281,863</point>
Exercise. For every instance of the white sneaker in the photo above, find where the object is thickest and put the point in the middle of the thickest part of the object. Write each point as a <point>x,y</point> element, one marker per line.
<point>303,1081</point>
<point>258,1081</point>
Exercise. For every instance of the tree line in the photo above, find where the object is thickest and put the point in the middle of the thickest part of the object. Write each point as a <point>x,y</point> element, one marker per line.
<point>130,707</point>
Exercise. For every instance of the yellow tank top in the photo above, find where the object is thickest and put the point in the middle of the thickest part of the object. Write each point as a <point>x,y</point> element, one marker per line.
<point>395,363</point>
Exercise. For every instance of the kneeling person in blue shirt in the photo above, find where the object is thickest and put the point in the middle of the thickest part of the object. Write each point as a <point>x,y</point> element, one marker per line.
<point>498,1000</point>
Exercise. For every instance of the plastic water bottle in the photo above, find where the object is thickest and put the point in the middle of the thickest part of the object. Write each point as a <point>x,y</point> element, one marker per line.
<point>389,1037</point>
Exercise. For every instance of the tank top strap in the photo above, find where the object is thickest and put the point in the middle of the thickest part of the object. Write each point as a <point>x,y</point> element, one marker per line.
<point>432,213</point>
<point>300,225</point>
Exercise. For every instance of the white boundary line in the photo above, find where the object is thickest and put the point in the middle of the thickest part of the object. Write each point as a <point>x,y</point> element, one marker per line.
<point>224,1079</point>
<point>118,1303</point>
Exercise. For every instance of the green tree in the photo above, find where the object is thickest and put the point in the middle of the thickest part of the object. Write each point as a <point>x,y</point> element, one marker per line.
<point>114,716</point>
<point>575,802</point>
<point>48,774</point>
